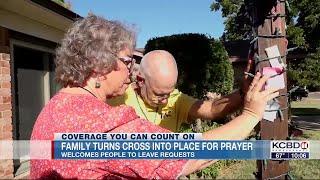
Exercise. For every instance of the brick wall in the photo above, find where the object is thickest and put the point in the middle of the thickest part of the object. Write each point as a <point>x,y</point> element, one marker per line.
<point>6,166</point>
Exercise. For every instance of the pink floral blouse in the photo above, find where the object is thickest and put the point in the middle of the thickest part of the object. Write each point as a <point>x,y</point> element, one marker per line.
<point>84,113</point>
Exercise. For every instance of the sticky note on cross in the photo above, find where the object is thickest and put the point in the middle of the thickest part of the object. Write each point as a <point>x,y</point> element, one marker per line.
<point>270,114</point>
<point>277,77</point>
<point>275,58</point>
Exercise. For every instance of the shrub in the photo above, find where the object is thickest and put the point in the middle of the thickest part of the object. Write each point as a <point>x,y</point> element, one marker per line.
<point>202,63</point>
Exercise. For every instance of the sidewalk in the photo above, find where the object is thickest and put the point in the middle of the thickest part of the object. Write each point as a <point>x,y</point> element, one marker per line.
<point>307,122</point>
<point>314,95</point>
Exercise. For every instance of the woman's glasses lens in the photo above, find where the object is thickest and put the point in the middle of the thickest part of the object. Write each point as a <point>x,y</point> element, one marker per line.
<point>128,61</point>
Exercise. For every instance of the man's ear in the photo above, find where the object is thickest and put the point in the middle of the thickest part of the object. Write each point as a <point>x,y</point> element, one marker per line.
<point>140,80</point>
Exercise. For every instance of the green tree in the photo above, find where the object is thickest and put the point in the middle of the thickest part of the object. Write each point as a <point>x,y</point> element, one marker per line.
<point>237,22</point>
<point>307,73</point>
<point>303,29</point>
<point>238,25</point>
<point>307,15</point>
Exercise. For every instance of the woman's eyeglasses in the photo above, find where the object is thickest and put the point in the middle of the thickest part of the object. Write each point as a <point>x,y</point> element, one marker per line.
<point>129,62</point>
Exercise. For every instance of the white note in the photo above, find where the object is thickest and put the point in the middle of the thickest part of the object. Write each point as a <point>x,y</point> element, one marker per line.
<point>277,80</point>
<point>273,51</point>
<point>271,115</point>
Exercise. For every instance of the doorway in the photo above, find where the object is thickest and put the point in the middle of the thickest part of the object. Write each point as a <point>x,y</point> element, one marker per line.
<point>33,86</point>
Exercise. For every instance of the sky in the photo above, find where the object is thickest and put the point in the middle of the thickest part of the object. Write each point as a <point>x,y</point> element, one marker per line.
<point>156,18</point>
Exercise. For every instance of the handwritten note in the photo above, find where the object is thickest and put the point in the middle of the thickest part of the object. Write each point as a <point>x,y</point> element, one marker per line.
<point>277,80</point>
<point>271,115</point>
<point>274,53</point>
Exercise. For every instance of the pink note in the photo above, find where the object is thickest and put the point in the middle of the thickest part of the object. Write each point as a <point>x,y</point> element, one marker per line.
<point>277,80</point>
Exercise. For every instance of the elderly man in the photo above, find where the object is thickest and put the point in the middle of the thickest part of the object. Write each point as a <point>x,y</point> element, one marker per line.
<point>154,96</point>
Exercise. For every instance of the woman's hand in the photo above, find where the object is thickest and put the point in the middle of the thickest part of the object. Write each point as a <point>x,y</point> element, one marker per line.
<point>255,100</point>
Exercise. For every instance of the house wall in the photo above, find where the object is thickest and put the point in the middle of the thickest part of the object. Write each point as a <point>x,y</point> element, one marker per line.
<point>6,166</point>
<point>27,18</point>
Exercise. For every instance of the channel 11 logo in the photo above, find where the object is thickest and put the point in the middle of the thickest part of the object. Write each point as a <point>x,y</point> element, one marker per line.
<point>289,149</point>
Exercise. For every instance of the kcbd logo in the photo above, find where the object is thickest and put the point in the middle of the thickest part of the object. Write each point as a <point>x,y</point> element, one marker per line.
<point>290,145</point>
<point>304,145</point>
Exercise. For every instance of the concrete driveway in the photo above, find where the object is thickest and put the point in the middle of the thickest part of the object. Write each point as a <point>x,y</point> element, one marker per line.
<point>307,122</point>
<point>314,95</point>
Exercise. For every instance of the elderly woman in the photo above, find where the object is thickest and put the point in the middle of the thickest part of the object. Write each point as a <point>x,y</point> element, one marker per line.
<point>92,65</point>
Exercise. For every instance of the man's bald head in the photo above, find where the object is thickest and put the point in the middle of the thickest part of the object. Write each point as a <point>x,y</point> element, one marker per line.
<point>160,67</point>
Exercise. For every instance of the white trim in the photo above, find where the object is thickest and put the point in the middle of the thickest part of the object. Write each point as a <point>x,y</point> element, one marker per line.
<point>46,80</point>
<point>50,11</point>
<point>28,26</point>
<point>33,19</point>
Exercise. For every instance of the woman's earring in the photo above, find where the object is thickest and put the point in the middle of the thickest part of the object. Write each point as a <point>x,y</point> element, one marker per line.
<point>98,85</point>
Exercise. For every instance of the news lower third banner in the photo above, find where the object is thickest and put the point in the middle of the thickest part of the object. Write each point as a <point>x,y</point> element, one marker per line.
<point>106,146</point>
<point>175,146</point>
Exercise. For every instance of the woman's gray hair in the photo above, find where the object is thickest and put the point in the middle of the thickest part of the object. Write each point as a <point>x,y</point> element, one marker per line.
<point>91,45</point>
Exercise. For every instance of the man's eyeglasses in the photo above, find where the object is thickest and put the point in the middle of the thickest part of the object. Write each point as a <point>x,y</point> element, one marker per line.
<point>160,97</point>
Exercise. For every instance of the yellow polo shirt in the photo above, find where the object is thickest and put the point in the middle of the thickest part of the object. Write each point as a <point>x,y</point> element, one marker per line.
<point>169,116</point>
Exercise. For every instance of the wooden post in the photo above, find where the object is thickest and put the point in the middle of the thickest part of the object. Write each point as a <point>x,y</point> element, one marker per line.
<point>267,25</point>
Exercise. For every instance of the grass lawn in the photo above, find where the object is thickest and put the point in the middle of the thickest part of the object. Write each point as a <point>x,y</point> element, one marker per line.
<point>306,107</point>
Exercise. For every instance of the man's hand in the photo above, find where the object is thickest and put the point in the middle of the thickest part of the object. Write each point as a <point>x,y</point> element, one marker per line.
<point>255,100</point>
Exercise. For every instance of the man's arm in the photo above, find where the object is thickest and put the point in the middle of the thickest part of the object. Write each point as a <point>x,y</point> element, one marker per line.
<point>213,109</point>
<point>225,105</point>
